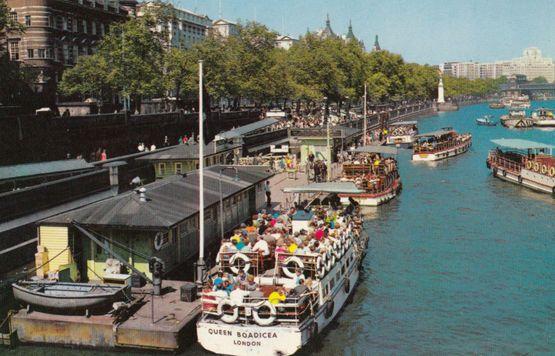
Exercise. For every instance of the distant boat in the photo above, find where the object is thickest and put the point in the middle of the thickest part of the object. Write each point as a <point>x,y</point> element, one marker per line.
<point>64,297</point>
<point>486,120</point>
<point>496,105</point>
<point>543,118</point>
<point>516,119</point>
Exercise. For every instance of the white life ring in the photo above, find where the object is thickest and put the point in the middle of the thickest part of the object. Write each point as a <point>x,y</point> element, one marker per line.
<point>264,321</point>
<point>240,256</point>
<point>297,261</point>
<point>228,318</point>
<point>320,267</point>
<point>337,249</point>
<point>159,241</point>
<point>329,263</point>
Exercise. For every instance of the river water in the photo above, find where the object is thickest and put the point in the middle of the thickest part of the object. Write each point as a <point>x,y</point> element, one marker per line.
<point>459,263</point>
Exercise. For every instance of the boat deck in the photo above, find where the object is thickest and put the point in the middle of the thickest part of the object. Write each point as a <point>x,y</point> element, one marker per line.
<point>167,326</point>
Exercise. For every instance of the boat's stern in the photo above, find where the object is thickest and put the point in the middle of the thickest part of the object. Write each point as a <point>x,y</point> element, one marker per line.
<point>249,339</point>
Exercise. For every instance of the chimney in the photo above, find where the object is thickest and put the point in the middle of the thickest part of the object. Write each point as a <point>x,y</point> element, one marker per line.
<point>142,195</point>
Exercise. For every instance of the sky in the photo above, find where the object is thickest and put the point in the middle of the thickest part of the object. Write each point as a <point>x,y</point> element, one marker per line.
<point>422,31</point>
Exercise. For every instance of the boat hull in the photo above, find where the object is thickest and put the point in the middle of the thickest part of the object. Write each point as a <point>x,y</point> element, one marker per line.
<point>252,339</point>
<point>517,123</point>
<point>526,178</point>
<point>66,303</point>
<point>436,156</point>
<point>544,123</point>
<point>406,141</point>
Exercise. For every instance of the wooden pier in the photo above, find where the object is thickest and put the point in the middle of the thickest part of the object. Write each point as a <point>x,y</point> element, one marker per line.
<point>158,323</point>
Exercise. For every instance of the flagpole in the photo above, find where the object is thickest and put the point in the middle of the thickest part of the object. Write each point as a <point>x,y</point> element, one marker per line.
<point>365,124</point>
<point>200,263</point>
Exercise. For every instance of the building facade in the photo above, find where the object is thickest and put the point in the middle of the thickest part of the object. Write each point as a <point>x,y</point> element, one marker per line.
<point>285,42</point>
<point>225,28</point>
<point>532,64</point>
<point>57,33</point>
<point>185,29</point>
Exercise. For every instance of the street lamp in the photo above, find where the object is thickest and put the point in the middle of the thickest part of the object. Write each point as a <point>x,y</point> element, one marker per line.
<point>235,179</point>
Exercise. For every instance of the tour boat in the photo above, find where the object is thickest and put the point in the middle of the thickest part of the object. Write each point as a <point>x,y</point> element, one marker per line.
<point>376,175</point>
<point>401,134</point>
<point>523,162</point>
<point>516,119</point>
<point>441,144</point>
<point>260,323</point>
<point>497,105</point>
<point>486,120</point>
<point>543,118</point>
<point>519,102</point>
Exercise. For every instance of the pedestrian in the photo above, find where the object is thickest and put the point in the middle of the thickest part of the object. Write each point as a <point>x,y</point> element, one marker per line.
<point>166,141</point>
<point>103,155</point>
<point>152,147</point>
<point>268,192</point>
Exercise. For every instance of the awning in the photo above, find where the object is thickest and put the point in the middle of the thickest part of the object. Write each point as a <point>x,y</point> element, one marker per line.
<point>519,144</point>
<point>403,123</point>
<point>329,187</point>
<point>437,133</point>
<point>267,145</point>
<point>376,149</point>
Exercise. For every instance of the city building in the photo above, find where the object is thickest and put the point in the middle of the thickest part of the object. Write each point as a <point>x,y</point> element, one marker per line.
<point>185,29</point>
<point>532,65</point>
<point>285,41</point>
<point>225,28</point>
<point>326,32</point>
<point>56,33</point>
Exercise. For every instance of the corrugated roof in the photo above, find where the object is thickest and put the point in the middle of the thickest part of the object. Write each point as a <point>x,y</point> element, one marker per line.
<point>244,130</point>
<point>189,151</point>
<point>33,169</point>
<point>437,133</point>
<point>401,123</point>
<point>376,149</point>
<point>519,144</point>
<point>170,200</point>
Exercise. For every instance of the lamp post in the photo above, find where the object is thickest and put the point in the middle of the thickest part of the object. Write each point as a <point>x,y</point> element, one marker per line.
<point>200,263</point>
<point>235,179</point>
<point>364,124</point>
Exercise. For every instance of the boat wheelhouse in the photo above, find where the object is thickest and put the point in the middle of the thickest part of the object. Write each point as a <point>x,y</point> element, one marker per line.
<point>401,134</point>
<point>543,117</point>
<point>376,175</point>
<point>441,144</point>
<point>289,295</point>
<point>523,162</point>
<point>516,118</point>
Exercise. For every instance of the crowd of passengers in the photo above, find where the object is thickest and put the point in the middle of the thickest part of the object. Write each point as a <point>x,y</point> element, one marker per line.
<point>270,236</point>
<point>431,143</point>
<point>403,130</point>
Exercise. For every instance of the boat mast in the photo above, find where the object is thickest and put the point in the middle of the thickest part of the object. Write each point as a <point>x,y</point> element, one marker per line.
<point>200,263</point>
<point>364,124</point>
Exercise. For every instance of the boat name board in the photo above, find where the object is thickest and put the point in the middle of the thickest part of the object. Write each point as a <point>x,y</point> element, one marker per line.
<point>243,334</point>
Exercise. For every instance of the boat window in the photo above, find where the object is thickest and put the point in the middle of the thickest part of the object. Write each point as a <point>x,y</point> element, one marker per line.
<point>343,268</point>
<point>332,284</point>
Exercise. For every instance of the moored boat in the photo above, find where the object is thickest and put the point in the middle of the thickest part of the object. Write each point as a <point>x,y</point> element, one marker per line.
<point>518,102</point>
<point>288,297</point>
<point>527,163</point>
<point>373,173</point>
<point>401,134</point>
<point>67,297</point>
<point>543,118</point>
<point>516,118</point>
<point>441,144</point>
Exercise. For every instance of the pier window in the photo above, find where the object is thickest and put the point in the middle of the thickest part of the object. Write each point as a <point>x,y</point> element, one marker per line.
<point>27,20</point>
<point>178,168</point>
<point>84,22</point>
<point>42,53</point>
<point>30,53</point>
<point>162,168</point>
<point>13,16</point>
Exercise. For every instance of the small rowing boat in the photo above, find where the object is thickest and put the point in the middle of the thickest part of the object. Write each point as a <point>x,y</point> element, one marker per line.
<point>486,120</point>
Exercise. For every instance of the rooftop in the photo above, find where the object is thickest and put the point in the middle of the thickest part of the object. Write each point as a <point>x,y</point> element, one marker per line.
<point>519,144</point>
<point>41,168</point>
<point>189,151</point>
<point>169,201</point>
<point>244,130</point>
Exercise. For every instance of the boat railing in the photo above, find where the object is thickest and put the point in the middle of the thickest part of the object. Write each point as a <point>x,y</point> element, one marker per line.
<point>250,262</point>
<point>288,263</point>
<point>497,159</point>
<point>256,307</point>
<point>442,146</point>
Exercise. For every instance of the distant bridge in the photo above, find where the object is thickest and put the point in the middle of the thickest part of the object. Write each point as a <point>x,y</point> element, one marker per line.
<point>533,90</point>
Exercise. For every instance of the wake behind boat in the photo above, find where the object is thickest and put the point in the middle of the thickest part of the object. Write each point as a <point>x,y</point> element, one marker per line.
<point>441,144</point>
<point>274,296</point>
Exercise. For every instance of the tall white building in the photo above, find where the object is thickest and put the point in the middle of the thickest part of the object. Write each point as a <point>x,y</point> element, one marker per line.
<point>531,64</point>
<point>225,28</point>
<point>186,29</point>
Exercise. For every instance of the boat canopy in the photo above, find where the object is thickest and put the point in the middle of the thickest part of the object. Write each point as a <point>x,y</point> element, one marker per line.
<point>376,149</point>
<point>327,187</point>
<point>403,123</point>
<point>519,144</point>
<point>436,134</point>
